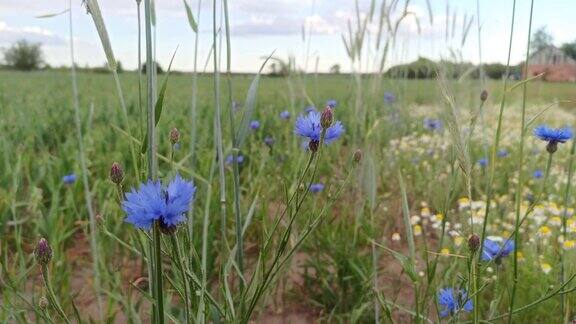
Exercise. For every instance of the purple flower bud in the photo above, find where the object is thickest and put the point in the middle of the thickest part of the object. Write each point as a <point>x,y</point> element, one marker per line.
<point>474,243</point>
<point>484,95</point>
<point>174,136</point>
<point>327,117</point>
<point>269,141</point>
<point>116,173</point>
<point>43,252</point>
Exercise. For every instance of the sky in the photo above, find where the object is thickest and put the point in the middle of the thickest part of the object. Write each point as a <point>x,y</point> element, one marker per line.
<point>259,27</point>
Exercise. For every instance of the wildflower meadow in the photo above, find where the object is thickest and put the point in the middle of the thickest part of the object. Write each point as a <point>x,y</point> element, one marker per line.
<point>210,196</point>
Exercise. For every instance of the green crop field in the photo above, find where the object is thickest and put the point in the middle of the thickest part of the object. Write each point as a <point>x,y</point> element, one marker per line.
<point>331,274</point>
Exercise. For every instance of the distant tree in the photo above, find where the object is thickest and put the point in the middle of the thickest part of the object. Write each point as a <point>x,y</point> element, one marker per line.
<point>335,69</point>
<point>159,68</point>
<point>494,70</point>
<point>280,67</point>
<point>569,49</point>
<point>540,39</point>
<point>119,67</point>
<point>24,55</point>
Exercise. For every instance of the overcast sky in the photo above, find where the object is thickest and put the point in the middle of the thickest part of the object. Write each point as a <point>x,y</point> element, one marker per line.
<point>261,26</point>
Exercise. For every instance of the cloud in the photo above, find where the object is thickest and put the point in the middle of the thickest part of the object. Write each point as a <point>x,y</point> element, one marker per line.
<point>283,25</point>
<point>9,34</point>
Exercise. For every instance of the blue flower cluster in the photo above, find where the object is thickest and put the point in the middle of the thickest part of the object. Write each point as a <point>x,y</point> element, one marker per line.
<point>453,301</point>
<point>389,97</point>
<point>69,179</point>
<point>316,187</point>
<point>285,115</point>
<point>154,202</point>
<point>553,135</point>
<point>254,124</point>
<point>432,124</point>
<point>230,159</point>
<point>493,251</point>
<point>308,126</point>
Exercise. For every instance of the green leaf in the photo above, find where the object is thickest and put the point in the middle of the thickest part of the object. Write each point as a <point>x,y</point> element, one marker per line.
<point>159,103</point>
<point>191,19</point>
<point>94,10</point>
<point>250,106</point>
<point>405,262</point>
<point>53,14</point>
<point>153,13</point>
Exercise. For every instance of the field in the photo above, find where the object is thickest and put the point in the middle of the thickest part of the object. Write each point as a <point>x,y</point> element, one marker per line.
<point>358,261</point>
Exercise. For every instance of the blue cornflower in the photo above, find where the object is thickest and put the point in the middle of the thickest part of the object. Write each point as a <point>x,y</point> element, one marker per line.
<point>230,158</point>
<point>154,202</point>
<point>389,97</point>
<point>254,124</point>
<point>309,127</point>
<point>502,153</point>
<point>494,251</point>
<point>285,115</point>
<point>69,178</point>
<point>309,109</point>
<point>269,141</point>
<point>316,187</point>
<point>453,301</point>
<point>483,162</point>
<point>432,124</point>
<point>553,136</point>
<point>538,174</point>
<point>332,103</point>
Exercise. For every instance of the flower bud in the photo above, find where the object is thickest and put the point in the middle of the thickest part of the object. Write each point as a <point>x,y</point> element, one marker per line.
<point>313,145</point>
<point>483,95</point>
<point>43,252</point>
<point>473,243</point>
<point>116,173</point>
<point>174,136</point>
<point>43,303</point>
<point>552,147</point>
<point>269,141</point>
<point>327,117</point>
<point>357,156</point>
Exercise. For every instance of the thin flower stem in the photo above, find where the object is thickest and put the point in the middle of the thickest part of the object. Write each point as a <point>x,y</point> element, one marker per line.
<point>193,117</point>
<point>492,171</point>
<point>564,221</point>
<point>558,291</point>
<point>82,158</point>
<point>181,267</point>
<point>235,150</point>
<point>51,296</point>
<point>270,274</point>
<point>140,112</point>
<point>159,294</point>
<point>218,131</point>
<point>520,171</point>
<point>156,248</point>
